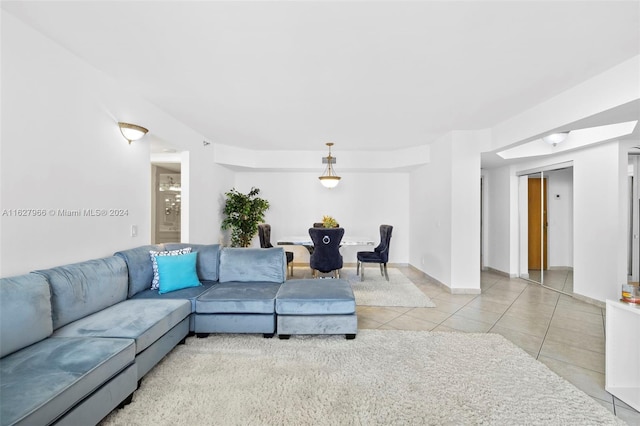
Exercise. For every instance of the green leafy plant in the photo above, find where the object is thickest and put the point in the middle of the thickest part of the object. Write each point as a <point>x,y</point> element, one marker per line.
<point>243,214</point>
<point>329,222</point>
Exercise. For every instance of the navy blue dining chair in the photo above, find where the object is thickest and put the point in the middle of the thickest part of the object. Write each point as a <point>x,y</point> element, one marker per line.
<point>380,254</point>
<point>326,255</point>
<point>264,233</point>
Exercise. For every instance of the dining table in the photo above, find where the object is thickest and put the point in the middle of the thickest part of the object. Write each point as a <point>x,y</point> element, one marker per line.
<point>305,240</point>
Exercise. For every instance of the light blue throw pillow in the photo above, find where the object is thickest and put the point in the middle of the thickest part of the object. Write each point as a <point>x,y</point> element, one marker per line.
<point>177,272</point>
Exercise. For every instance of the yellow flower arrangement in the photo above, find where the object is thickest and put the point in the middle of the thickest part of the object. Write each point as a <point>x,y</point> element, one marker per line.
<point>329,222</point>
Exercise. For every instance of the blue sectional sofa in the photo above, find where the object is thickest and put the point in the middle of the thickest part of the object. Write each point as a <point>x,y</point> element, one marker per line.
<point>76,340</point>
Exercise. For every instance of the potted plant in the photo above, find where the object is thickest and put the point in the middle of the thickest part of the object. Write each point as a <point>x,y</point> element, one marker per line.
<point>329,222</point>
<point>243,213</point>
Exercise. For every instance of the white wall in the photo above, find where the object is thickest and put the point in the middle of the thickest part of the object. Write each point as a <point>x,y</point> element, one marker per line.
<point>501,187</point>
<point>465,210</point>
<point>523,227</point>
<point>600,216</point>
<point>445,212</point>
<point>430,221</point>
<point>360,203</point>
<point>207,185</point>
<point>62,149</point>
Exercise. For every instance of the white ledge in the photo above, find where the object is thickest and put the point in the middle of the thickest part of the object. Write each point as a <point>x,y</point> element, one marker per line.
<point>393,160</point>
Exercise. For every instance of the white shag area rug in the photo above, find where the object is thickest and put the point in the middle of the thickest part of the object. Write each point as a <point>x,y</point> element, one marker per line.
<point>375,290</point>
<point>383,377</point>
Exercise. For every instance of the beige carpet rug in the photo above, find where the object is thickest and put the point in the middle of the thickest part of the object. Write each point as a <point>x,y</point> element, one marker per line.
<point>383,377</point>
<point>375,290</point>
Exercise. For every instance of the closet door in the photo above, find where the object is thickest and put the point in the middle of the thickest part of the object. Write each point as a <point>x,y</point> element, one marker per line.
<point>537,223</point>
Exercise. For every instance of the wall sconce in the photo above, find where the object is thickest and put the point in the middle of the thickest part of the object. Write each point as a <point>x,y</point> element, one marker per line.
<point>329,179</point>
<point>132,132</point>
<point>555,138</point>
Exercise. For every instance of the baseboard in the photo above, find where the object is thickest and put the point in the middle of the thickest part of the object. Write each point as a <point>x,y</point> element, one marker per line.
<point>465,291</point>
<point>443,285</point>
<point>501,273</point>
<point>580,297</point>
<point>589,300</point>
<point>526,275</point>
<point>560,268</point>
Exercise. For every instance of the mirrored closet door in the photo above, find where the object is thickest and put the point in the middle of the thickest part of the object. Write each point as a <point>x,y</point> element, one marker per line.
<point>546,227</point>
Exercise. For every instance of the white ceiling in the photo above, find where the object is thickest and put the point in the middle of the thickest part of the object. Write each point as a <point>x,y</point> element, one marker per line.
<point>365,75</point>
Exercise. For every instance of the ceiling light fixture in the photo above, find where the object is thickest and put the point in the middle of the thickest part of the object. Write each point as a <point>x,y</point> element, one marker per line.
<point>554,139</point>
<point>132,132</point>
<point>329,179</point>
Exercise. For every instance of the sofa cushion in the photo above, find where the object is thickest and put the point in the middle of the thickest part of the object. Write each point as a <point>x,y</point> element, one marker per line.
<point>177,272</point>
<point>25,304</point>
<point>139,267</point>
<point>315,297</point>
<point>208,259</point>
<point>253,265</point>
<point>238,298</point>
<point>83,288</point>
<point>145,321</point>
<point>189,294</point>
<point>41,382</point>
<point>155,282</point>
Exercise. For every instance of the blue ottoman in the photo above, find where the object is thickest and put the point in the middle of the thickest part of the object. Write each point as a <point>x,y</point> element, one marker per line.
<point>316,306</point>
<point>234,307</point>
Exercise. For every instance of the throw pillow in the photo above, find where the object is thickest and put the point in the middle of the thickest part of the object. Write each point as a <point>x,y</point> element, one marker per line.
<point>155,254</point>
<point>177,272</point>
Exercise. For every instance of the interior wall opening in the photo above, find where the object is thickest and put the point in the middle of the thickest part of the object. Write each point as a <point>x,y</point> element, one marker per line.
<point>166,209</point>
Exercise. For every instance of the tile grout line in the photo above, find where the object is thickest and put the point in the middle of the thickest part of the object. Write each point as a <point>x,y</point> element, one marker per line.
<point>555,307</point>
<point>509,307</point>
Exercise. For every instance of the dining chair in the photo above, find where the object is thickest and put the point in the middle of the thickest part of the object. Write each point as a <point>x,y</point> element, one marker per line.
<point>264,233</point>
<point>380,254</point>
<point>326,255</point>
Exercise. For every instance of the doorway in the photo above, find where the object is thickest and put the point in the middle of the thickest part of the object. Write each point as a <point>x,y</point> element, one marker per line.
<point>169,193</point>
<point>166,203</point>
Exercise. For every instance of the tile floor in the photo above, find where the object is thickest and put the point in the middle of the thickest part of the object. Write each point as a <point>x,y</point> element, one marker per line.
<point>565,334</point>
